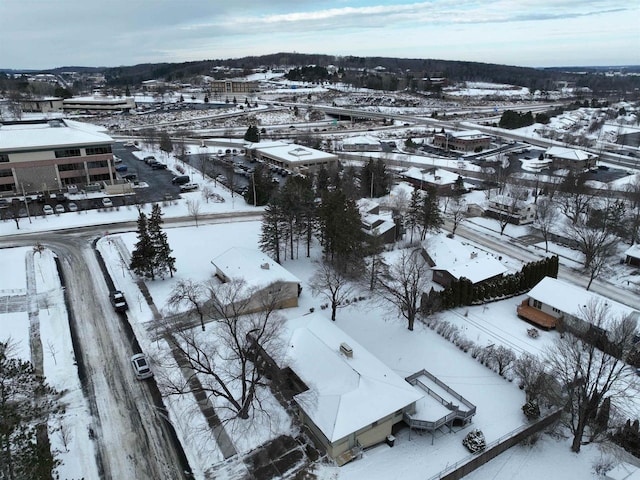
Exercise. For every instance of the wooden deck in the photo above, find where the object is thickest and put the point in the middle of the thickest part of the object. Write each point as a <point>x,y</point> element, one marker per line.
<point>535,316</point>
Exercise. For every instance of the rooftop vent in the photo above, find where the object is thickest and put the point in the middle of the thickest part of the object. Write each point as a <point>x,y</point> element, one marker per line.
<point>346,350</point>
<point>265,266</point>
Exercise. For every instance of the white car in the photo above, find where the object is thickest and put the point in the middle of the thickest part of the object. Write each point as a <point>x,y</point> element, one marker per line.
<point>106,202</point>
<point>59,208</point>
<point>129,143</point>
<point>48,210</point>
<point>141,367</point>
<point>188,187</point>
<point>72,207</point>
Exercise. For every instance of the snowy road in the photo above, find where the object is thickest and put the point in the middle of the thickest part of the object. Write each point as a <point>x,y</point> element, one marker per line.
<point>131,438</point>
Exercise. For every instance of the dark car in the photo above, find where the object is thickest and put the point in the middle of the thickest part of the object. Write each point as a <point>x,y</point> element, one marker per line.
<point>121,168</point>
<point>130,176</point>
<point>118,301</point>
<point>180,179</point>
<point>158,165</point>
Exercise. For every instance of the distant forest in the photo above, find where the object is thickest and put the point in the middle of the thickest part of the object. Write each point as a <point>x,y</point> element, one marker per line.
<point>362,71</point>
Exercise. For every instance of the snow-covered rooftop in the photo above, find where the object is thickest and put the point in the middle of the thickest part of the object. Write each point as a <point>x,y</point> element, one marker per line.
<point>361,140</point>
<point>462,260</point>
<point>257,269</point>
<point>633,251</point>
<point>571,299</point>
<point>567,153</point>
<point>49,134</point>
<point>293,153</point>
<point>468,134</point>
<point>346,394</point>
<point>431,175</point>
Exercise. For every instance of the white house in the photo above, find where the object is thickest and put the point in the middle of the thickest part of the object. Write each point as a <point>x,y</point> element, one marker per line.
<point>552,299</point>
<point>353,399</point>
<point>264,282</point>
<point>514,210</point>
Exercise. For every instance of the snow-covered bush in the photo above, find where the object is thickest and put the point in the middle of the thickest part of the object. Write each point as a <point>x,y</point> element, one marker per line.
<point>475,441</point>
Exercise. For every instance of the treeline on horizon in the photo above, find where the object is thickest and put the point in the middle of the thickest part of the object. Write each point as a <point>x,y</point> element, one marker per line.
<point>401,68</point>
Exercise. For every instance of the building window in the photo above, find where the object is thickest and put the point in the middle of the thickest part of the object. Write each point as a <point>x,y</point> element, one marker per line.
<point>537,304</point>
<point>6,173</point>
<point>68,152</point>
<point>98,150</point>
<point>66,167</point>
<point>4,157</point>
<point>100,164</point>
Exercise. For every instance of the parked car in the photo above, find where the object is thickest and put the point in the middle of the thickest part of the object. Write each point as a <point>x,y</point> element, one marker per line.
<point>117,159</point>
<point>106,202</point>
<point>129,143</point>
<point>130,177</point>
<point>158,165</point>
<point>141,367</point>
<point>118,301</point>
<point>72,207</point>
<point>149,159</point>
<point>59,208</point>
<point>121,168</point>
<point>188,187</point>
<point>180,179</point>
<point>48,210</point>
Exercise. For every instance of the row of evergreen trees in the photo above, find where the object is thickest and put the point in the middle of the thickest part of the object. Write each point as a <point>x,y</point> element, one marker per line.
<point>462,292</point>
<point>151,256</point>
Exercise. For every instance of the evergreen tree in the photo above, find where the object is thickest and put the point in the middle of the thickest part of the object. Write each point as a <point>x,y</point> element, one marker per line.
<point>271,229</point>
<point>27,403</point>
<point>322,180</point>
<point>430,216</point>
<point>413,212</point>
<point>163,261</point>
<point>165,143</point>
<point>252,134</point>
<point>143,257</point>
<point>341,229</point>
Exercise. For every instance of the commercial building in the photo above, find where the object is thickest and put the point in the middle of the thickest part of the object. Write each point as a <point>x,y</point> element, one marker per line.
<point>295,158</point>
<point>231,87</point>
<point>47,155</point>
<point>465,141</point>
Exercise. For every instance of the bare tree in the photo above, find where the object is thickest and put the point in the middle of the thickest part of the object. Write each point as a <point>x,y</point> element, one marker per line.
<point>404,284</point>
<point>575,197</point>
<point>225,363</point>
<point>458,212</point>
<point>204,164</point>
<point>190,294</point>
<point>633,215</point>
<point>530,371</point>
<point>546,216</point>
<point>193,207</point>
<point>334,284</point>
<point>587,374</point>
<point>597,245</point>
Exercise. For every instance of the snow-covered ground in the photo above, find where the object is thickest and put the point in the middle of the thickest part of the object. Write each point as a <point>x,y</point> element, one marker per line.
<point>377,327</point>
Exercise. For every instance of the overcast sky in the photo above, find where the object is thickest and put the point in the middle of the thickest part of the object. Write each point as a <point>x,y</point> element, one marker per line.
<point>42,34</point>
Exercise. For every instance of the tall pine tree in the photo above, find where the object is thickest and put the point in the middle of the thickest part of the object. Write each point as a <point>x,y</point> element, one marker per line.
<point>143,257</point>
<point>163,261</point>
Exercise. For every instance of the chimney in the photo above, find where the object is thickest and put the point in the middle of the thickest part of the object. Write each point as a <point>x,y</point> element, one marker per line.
<point>346,350</point>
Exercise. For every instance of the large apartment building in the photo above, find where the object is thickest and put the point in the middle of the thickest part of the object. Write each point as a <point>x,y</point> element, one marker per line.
<point>45,155</point>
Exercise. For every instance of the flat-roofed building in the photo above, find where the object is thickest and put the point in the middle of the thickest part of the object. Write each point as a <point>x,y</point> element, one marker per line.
<point>464,141</point>
<point>102,104</point>
<point>295,158</point>
<point>570,158</point>
<point>230,86</point>
<point>44,155</point>
<point>42,105</point>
